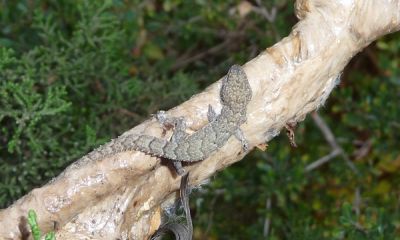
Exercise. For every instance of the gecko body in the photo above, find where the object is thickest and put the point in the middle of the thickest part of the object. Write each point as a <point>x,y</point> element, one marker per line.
<point>235,94</point>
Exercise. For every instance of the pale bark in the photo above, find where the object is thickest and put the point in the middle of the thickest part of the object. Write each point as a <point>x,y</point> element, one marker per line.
<point>120,196</point>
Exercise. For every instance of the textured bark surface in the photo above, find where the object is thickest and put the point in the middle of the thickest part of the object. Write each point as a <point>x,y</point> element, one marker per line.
<point>120,196</point>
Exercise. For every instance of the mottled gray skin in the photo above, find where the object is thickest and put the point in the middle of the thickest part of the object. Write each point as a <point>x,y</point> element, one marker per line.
<point>235,95</point>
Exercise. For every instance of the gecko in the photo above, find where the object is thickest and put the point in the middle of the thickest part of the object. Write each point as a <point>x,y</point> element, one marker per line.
<point>235,95</point>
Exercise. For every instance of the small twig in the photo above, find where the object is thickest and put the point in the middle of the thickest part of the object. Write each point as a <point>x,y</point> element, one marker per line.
<point>233,36</point>
<point>267,221</point>
<point>357,201</point>
<point>326,131</point>
<point>322,161</point>
<point>336,149</point>
<point>126,112</point>
<point>183,62</point>
<point>363,150</point>
<point>270,16</point>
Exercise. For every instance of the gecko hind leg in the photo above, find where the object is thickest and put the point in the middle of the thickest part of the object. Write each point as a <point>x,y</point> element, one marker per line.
<point>180,133</point>
<point>177,136</point>
<point>240,136</point>
<point>178,167</point>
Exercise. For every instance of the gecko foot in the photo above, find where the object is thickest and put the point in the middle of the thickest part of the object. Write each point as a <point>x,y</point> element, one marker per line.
<point>211,115</point>
<point>178,167</point>
<point>240,136</point>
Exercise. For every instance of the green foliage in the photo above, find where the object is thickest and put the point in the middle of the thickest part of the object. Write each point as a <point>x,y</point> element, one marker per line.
<point>77,63</point>
<point>36,233</point>
<point>74,74</point>
<point>23,104</point>
<point>374,225</point>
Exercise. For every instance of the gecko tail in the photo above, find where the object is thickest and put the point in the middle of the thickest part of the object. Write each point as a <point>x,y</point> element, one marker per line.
<point>144,143</point>
<point>148,144</point>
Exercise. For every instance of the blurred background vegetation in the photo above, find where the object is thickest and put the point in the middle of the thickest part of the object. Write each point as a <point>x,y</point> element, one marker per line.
<point>74,74</point>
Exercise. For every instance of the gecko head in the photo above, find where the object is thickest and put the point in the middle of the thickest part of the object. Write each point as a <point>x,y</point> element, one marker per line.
<point>235,91</point>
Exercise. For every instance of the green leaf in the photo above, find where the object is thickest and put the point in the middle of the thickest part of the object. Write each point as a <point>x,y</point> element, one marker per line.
<point>33,224</point>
